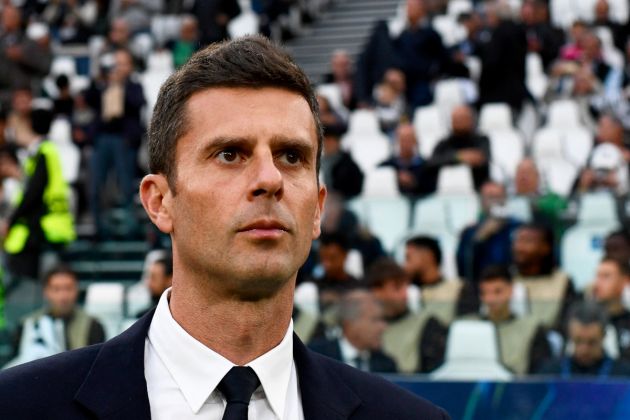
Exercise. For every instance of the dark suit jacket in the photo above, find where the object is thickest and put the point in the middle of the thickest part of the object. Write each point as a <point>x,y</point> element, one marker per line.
<point>379,361</point>
<point>106,381</point>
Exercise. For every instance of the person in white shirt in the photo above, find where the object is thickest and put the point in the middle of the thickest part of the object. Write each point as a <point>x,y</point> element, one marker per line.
<point>234,150</point>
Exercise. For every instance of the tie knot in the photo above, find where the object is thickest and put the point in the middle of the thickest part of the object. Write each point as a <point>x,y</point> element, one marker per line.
<point>238,385</point>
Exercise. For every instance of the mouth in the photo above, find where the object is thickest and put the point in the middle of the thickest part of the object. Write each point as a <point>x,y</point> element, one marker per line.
<point>264,229</point>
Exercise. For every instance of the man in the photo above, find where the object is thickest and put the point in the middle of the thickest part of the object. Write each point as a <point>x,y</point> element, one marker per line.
<point>522,341</point>
<point>586,329</point>
<point>444,298</point>
<point>159,279</point>
<point>415,341</point>
<point>36,337</point>
<point>415,178</point>
<point>489,240</point>
<point>617,245</point>
<point>362,326</point>
<point>549,290</point>
<point>464,146</point>
<point>234,146</point>
<point>611,278</point>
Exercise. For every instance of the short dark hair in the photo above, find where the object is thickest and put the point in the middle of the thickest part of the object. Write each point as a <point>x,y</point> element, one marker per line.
<point>622,266</point>
<point>620,233</point>
<point>588,312</point>
<point>495,272</point>
<point>428,243</point>
<point>167,263</point>
<point>384,270</point>
<point>248,62</point>
<point>334,239</point>
<point>58,269</point>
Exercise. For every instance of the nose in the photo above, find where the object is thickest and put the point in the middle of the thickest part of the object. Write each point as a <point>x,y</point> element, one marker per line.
<point>267,178</point>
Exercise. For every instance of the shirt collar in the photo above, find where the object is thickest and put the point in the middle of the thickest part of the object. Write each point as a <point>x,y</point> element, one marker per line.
<point>197,370</point>
<point>349,353</point>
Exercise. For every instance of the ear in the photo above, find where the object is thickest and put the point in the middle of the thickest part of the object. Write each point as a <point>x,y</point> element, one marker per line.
<point>317,230</point>
<point>157,200</point>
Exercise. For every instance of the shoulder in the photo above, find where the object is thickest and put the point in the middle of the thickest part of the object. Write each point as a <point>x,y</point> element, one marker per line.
<point>380,398</point>
<point>56,378</point>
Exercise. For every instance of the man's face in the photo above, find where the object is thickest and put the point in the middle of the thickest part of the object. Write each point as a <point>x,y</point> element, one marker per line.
<point>588,342</point>
<point>462,121</point>
<point>609,282</point>
<point>367,329</point>
<point>417,259</point>
<point>529,246</point>
<point>526,178</point>
<point>492,195</point>
<point>496,295</point>
<point>157,280</point>
<point>247,203</point>
<point>617,247</point>
<point>333,259</point>
<point>407,141</point>
<point>61,292</point>
<point>393,296</point>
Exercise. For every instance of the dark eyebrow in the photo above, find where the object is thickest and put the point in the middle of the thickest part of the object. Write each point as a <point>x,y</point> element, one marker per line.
<point>304,146</point>
<point>222,142</point>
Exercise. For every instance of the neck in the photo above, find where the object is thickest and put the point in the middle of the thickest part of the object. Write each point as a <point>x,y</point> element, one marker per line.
<point>238,330</point>
<point>615,307</point>
<point>529,269</point>
<point>500,315</point>
<point>431,275</point>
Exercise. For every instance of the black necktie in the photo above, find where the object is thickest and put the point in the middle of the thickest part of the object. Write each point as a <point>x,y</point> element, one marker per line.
<point>237,386</point>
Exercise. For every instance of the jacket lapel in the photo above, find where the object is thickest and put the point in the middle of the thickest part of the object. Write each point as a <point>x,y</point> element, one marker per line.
<point>115,387</point>
<point>325,396</point>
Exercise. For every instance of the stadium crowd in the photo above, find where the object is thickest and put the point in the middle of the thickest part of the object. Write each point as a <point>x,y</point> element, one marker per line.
<point>475,154</point>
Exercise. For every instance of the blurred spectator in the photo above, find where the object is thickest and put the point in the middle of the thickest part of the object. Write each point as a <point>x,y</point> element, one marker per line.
<point>23,61</point>
<point>572,49</point>
<point>64,102</point>
<point>617,245</point>
<point>489,240</point>
<point>333,252</point>
<point>213,17</point>
<point>71,21</point>
<point>159,279</point>
<point>602,19</point>
<point>390,102</point>
<point>61,325</point>
<point>549,290</point>
<point>19,130</point>
<point>415,341</point>
<point>547,206</point>
<point>542,37</point>
<point>444,298</point>
<point>340,172</point>
<point>118,38</point>
<point>342,75</point>
<point>42,217</point>
<point>586,330</point>
<point>117,101</point>
<point>417,50</point>
<point>464,146</point>
<point>502,56</point>
<point>585,53</point>
<point>584,89</point>
<point>136,13</point>
<point>187,43</point>
<point>415,177</point>
<point>611,278</point>
<point>362,326</point>
<point>522,341</point>
<point>607,167</point>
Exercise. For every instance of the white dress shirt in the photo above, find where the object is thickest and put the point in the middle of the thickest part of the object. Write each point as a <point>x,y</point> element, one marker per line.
<point>182,375</point>
<point>353,356</point>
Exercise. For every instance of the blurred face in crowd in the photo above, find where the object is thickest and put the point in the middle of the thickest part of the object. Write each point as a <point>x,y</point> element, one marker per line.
<point>119,32</point>
<point>601,10</point>
<point>340,65</point>
<point>396,80</point>
<point>462,120</point>
<point>419,261</point>
<point>609,131</point>
<point>495,294</point>
<point>529,247</point>
<point>21,101</point>
<point>609,282</point>
<point>11,19</point>
<point>393,296</point>
<point>407,141</point>
<point>61,292</point>
<point>617,247</point>
<point>528,16</point>
<point>365,331</point>
<point>188,30</point>
<point>583,82</point>
<point>123,66</point>
<point>158,281</point>
<point>588,342</point>
<point>416,11</point>
<point>492,194</point>
<point>591,46</point>
<point>526,180</point>
<point>333,259</point>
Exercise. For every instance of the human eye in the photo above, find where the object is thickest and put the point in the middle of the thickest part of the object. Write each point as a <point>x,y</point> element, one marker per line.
<point>292,157</point>
<point>229,155</point>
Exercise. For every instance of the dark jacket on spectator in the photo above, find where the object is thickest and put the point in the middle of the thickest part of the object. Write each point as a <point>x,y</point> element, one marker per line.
<point>378,361</point>
<point>425,176</point>
<point>445,153</point>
